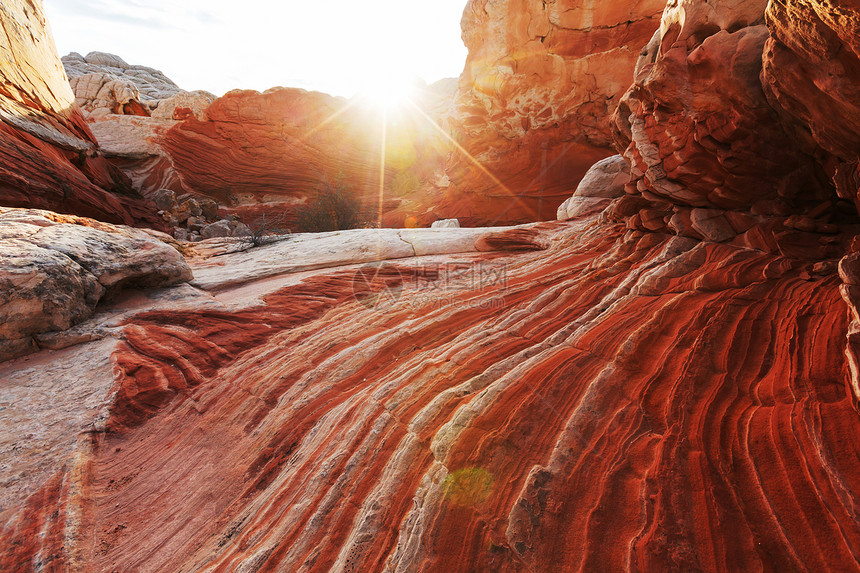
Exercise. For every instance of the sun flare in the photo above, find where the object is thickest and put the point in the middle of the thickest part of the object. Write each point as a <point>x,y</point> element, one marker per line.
<point>388,91</point>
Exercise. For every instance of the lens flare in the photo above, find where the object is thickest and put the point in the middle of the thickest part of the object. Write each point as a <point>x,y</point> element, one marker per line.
<point>388,91</point>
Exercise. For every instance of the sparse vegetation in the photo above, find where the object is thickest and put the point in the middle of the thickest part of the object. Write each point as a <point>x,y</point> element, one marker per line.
<point>334,208</point>
<point>405,182</point>
<point>263,230</point>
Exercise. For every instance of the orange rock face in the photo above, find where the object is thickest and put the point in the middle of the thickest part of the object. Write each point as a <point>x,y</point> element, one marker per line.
<point>540,82</point>
<point>811,71</point>
<point>669,385</point>
<point>619,398</point>
<point>696,125</point>
<point>48,155</point>
<point>256,151</point>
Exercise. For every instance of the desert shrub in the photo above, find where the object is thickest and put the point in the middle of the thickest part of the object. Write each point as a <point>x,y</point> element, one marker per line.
<point>262,230</point>
<point>333,208</point>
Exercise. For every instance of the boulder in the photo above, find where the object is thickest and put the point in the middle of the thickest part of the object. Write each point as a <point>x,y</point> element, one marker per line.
<point>218,229</point>
<point>164,199</point>
<point>54,272</point>
<point>605,180</point>
<point>446,224</point>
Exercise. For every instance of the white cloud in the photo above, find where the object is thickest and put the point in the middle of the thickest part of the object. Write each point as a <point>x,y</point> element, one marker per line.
<point>334,46</point>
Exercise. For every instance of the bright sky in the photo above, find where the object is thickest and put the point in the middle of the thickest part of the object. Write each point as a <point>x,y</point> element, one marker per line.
<point>336,46</point>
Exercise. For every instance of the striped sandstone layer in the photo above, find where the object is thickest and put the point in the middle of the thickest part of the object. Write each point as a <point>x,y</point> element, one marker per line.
<point>618,401</point>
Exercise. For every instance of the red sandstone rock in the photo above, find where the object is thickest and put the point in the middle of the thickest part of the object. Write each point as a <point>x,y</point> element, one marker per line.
<point>48,156</point>
<point>696,125</point>
<point>540,82</point>
<point>275,150</point>
<point>623,399</point>
<point>812,75</point>
<point>619,398</point>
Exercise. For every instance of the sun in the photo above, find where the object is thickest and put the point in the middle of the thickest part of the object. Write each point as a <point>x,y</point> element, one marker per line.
<point>388,90</point>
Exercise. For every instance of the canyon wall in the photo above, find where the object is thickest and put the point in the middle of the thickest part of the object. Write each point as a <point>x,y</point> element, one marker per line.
<point>540,82</point>
<point>270,152</point>
<point>529,119</point>
<point>50,158</point>
<point>276,150</point>
<point>811,66</point>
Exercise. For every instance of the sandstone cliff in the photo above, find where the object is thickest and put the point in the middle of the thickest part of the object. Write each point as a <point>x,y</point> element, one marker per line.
<point>540,81</point>
<point>49,156</point>
<point>264,152</point>
<point>272,151</point>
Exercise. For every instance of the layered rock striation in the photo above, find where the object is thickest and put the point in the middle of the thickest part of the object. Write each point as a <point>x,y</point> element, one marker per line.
<point>620,397</point>
<point>270,152</point>
<point>666,381</point>
<point>49,157</point>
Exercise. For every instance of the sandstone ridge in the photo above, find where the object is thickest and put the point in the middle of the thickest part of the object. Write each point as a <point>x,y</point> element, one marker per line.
<point>49,157</point>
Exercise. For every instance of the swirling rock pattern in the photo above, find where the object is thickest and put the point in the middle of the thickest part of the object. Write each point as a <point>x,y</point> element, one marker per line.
<point>276,150</point>
<point>619,401</point>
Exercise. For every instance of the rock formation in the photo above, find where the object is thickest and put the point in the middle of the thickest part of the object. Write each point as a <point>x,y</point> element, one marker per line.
<point>54,269</point>
<point>667,380</point>
<point>540,81</point>
<point>48,155</point>
<point>811,65</point>
<point>811,71</point>
<point>104,84</point>
<point>256,152</point>
<point>696,126</point>
<point>621,397</point>
<point>146,84</point>
<point>262,152</point>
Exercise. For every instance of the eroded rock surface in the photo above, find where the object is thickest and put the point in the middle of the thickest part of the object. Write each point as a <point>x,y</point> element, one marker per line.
<point>48,156</point>
<point>663,385</point>
<point>540,82</point>
<point>811,66</point>
<point>696,125</point>
<point>276,151</point>
<point>620,397</point>
<point>54,269</point>
<point>104,81</point>
<point>259,153</point>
